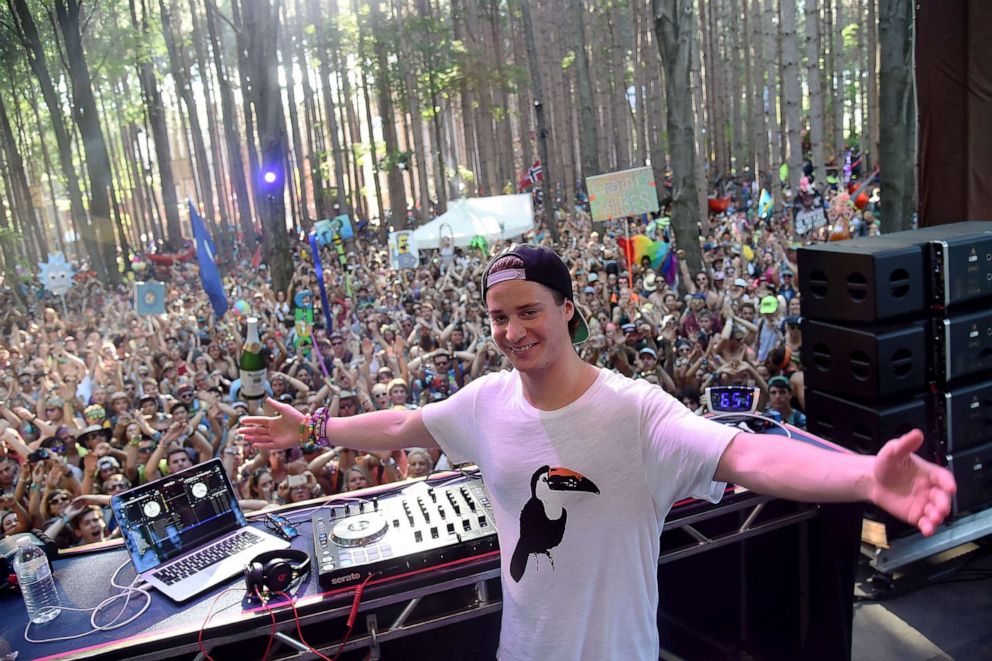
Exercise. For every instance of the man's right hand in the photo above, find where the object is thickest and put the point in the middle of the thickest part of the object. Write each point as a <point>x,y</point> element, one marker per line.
<point>278,432</point>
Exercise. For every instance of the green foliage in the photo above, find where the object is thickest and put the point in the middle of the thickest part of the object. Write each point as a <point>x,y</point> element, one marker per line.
<point>399,159</point>
<point>850,35</point>
<point>466,176</point>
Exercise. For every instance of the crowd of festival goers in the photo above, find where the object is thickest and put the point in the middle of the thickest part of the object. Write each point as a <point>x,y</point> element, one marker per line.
<point>95,398</point>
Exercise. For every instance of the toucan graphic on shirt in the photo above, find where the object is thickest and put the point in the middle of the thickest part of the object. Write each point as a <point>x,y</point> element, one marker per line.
<point>543,519</point>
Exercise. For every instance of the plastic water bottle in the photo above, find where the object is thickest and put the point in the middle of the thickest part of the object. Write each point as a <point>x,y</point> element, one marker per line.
<point>34,575</point>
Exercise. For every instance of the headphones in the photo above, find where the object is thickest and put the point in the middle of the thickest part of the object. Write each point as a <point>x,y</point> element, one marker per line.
<point>275,571</point>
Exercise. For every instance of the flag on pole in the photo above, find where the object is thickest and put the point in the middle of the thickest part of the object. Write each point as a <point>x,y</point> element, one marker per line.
<point>535,173</point>
<point>209,274</point>
<point>639,246</point>
<point>765,204</point>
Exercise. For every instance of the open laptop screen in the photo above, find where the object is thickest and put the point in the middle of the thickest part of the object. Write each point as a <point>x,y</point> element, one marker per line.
<point>177,513</point>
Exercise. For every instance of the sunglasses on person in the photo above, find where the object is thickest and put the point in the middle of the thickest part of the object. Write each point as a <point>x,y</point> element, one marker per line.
<point>116,485</point>
<point>281,526</point>
<point>58,500</point>
<point>147,449</point>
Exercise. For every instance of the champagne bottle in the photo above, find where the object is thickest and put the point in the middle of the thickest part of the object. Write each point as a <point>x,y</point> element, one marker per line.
<point>252,367</point>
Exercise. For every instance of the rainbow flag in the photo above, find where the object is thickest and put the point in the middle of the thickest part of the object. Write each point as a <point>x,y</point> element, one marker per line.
<point>640,246</point>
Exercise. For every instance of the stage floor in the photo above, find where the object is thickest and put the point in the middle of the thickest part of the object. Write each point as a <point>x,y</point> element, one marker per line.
<point>950,618</point>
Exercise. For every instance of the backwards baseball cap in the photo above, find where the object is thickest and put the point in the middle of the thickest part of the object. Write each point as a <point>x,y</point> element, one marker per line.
<point>543,266</point>
<point>768,305</point>
<point>779,382</point>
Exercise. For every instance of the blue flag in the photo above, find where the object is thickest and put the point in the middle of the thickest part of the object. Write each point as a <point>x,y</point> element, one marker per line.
<point>318,269</point>
<point>209,275</point>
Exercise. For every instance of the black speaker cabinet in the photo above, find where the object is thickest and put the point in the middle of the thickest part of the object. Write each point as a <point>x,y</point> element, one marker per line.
<point>961,268</point>
<point>865,364</point>
<point>958,261</point>
<point>861,280</point>
<point>963,417</point>
<point>865,428</point>
<point>973,472</point>
<point>962,346</point>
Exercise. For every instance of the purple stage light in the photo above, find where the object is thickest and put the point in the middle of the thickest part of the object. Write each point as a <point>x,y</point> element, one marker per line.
<point>269,177</point>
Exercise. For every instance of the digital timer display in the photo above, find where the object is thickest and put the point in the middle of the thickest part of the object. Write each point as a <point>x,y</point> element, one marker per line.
<point>735,400</point>
<point>732,399</point>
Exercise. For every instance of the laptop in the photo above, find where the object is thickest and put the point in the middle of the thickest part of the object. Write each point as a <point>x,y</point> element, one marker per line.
<point>186,533</point>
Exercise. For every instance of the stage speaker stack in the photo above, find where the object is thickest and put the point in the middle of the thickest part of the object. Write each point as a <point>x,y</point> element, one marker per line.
<point>897,334</point>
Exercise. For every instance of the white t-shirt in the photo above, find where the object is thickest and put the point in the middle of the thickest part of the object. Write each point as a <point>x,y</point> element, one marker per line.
<point>582,583</point>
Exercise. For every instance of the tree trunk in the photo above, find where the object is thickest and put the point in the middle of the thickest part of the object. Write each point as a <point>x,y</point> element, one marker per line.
<point>326,44</point>
<point>791,95</point>
<point>815,93</point>
<point>872,147</point>
<point>35,51</point>
<point>17,183</point>
<point>837,67</point>
<point>738,91</point>
<point>224,208</point>
<point>758,104</point>
<point>366,64</point>
<point>353,128</point>
<point>561,133</point>
<point>8,249</point>
<point>261,26</point>
<point>298,184</point>
<point>405,60</point>
<point>771,97</point>
<point>394,176</point>
<point>897,114</point>
<point>235,161</point>
<point>542,129</point>
<point>180,74</point>
<point>621,106</point>
<point>315,139</point>
<point>486,176</point>
<point>524,99</point>
<point>87,120</point>
<point>641,84</point>
<point>46,159</point>
<point>674,24</point>
<point>588,135</point>
<point>160,131</point>
<point>504,131</point>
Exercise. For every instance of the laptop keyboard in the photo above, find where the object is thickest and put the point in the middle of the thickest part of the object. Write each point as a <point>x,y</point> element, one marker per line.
<point>205,557</point>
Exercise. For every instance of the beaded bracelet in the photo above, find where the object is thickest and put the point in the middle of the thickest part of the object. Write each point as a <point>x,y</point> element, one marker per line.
<point>304,426</point>
<point>320,428</point>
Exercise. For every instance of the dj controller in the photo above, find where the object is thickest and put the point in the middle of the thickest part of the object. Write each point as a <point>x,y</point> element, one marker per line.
<point>421,526</point>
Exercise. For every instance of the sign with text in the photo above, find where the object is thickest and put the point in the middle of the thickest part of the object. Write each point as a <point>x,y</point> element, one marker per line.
<point>624,193</point>
<point>810,219</point>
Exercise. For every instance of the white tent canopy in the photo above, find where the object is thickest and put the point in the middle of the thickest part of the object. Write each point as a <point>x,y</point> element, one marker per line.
<point>497,217</point>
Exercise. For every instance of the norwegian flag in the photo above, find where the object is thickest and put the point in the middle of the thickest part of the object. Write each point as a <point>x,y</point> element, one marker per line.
<point>535,173</point>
